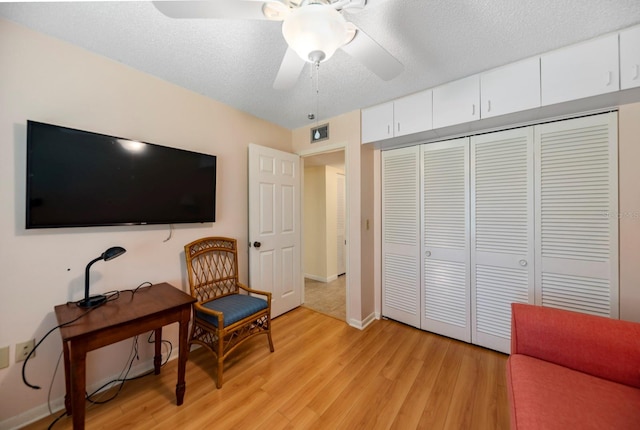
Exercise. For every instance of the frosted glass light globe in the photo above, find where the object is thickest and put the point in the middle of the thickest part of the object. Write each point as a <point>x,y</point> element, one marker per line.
<point>315,31</point>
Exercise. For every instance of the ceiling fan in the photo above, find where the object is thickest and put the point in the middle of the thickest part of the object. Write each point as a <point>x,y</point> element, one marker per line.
<point>313,29</point>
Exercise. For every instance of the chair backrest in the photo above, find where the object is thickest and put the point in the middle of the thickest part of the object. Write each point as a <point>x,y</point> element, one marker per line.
<point>212,266</point>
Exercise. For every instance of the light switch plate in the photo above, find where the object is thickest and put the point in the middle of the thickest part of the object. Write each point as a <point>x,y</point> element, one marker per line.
<point>4,357</point>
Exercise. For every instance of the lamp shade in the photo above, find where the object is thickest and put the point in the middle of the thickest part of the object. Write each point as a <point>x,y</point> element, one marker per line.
<point>315,31</point>
<point>113,252</point>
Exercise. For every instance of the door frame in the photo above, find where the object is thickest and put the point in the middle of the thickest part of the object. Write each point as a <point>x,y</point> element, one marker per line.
<point>323,150</point>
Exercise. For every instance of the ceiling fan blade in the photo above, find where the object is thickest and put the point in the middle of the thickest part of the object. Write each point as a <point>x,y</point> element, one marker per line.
<point>219,9</point>
<point>373,56</point>
<point>290,70</point>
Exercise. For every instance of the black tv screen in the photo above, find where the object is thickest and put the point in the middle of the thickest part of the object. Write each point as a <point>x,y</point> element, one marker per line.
<point>77,178</point>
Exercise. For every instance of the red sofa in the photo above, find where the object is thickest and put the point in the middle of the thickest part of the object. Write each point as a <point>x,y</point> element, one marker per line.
<point>569,370</point>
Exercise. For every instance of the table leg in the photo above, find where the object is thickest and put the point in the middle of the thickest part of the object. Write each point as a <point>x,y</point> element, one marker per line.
<point>183,353</point>
<point>67,378</point>
<point>78,358</point>
<point>157,358</point>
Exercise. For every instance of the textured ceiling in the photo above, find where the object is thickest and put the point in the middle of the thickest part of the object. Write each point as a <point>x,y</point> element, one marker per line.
<point>236,61</point>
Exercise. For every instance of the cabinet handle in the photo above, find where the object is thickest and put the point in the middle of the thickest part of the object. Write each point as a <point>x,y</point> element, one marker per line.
<point>608,78</point>
<point>388,129</point>
<point>636,72</point>
<point>427,254</point>
<point>473,109</point>
<point>488,105</point>
<point>523,263</point>
<point>398,127</point>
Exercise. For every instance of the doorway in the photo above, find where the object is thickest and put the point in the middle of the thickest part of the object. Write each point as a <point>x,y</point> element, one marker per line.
<point>324,220</point>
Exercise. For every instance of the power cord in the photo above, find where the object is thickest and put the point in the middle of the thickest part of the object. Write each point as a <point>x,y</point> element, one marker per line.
<point>24,365</point>
<point>111,296</point>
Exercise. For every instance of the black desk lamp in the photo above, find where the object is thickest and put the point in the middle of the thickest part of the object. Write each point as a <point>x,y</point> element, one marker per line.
<point>93,301</point>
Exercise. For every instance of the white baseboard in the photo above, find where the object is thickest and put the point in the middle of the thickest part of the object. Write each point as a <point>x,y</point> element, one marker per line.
<point>361,325</point>
<point>320,278</point>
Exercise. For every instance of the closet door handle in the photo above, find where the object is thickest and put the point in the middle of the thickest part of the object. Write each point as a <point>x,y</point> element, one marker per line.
<point>427,254</point>
<point>523,263</point>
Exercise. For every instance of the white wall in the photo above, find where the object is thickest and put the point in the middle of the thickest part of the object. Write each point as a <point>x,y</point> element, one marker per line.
<point>321,222</point>
<point>629,216</point>
<point>47,80</point>
<point>315,223</point>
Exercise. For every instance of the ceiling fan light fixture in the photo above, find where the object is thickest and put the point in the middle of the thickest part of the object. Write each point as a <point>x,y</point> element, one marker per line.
<point>275,11</point>
<point>315,31</point>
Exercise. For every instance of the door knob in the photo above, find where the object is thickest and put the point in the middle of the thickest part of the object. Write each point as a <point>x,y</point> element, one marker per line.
<point>256,244</point>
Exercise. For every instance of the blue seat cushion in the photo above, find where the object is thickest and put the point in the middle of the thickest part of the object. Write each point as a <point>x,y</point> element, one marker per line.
<point>234,308</point>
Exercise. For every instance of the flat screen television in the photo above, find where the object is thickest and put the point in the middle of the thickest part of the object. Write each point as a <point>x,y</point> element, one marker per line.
<point>78,179</point>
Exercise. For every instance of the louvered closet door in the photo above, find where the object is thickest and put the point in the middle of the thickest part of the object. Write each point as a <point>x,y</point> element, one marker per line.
<point>502,258</point>
<point>400,235</point>
<point>576,215</point>
<point>445,232</point>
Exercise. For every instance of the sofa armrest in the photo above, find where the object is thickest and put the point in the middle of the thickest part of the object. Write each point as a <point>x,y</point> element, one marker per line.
<point>602,347</point>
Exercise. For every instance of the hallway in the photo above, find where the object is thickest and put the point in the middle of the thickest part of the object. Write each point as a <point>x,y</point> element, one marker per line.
<point>328,298</point>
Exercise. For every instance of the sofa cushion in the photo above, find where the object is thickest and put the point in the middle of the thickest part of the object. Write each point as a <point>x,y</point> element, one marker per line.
<point>547,396</point>
<point>602,347</point>
<point>234,308</point>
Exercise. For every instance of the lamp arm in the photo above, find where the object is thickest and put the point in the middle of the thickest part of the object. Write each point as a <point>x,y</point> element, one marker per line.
<point>86,277</point>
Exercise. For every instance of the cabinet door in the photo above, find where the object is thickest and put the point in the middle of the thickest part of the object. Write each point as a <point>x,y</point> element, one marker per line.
<point>512,88</point>
<point>502,235</point>
<point>412,114</point>
<point>630,58</point>
<point>582,70</point>
<point>377,123</point>
<point>576,215</point>
<point>445,232</point>
<point>400,235</point>
<point>456,102</point>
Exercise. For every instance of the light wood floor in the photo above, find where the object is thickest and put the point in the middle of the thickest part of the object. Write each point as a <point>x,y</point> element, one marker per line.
<point>322,375</point>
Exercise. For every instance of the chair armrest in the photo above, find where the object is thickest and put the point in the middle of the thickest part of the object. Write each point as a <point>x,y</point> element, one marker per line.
<point>252,291</point>
<point>602,347</point>
<point>198,306</point>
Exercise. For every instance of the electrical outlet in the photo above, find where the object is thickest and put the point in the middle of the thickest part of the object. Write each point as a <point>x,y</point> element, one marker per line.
<point>4,357</point>
<point>23,349</point>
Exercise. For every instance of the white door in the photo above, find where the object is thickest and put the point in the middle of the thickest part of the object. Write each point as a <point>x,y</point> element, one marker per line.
<point>445,232</point>
<point>274,226</point>
<point>401,235</point>
<point>502,251</point>
<point>341,225</point>
<point>577,215</point>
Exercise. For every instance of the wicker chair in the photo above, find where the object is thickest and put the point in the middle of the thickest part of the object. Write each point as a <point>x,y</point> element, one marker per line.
<point>224,316</point>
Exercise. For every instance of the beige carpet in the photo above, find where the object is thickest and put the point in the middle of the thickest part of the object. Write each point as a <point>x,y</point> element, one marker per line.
<point>328,298</point>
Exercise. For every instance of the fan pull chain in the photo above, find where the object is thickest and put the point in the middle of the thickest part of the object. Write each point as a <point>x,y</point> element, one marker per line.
<point>317,91</point>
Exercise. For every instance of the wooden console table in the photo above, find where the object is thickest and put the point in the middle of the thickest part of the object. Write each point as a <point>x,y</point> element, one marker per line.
<point>131,314</point>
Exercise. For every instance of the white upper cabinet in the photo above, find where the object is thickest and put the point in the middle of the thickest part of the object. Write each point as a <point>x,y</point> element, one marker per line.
<point>582,70</point>
<point>630,58</point>
<point>512,88</point>
<point>406,115</point>
<point>412,114</point>
<point>456,102</point>
<point>377,122</point>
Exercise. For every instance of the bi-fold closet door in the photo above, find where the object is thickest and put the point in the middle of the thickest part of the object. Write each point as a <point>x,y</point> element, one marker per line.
<point>524,215</point>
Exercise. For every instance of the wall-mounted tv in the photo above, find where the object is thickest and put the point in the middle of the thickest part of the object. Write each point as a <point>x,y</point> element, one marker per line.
<point>78,179</point>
